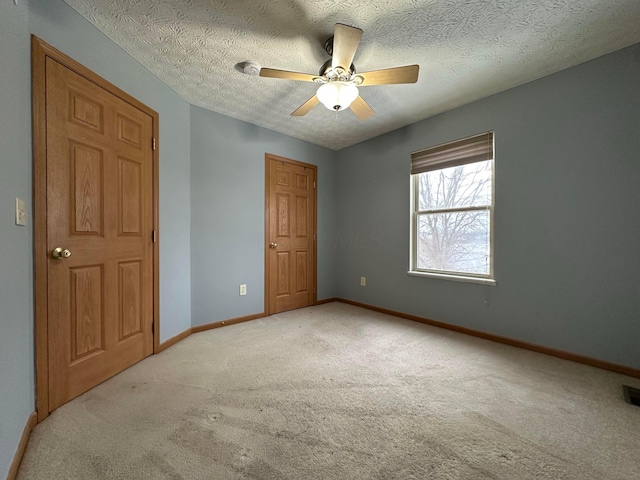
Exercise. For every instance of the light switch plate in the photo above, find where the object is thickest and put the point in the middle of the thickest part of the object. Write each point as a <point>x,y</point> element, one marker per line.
<point>243,289</point>
<point>21,212</point>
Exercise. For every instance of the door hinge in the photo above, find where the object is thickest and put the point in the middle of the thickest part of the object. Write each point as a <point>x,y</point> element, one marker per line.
<point>153,143</point>
<point>153,236</point>
<point>314,184</point>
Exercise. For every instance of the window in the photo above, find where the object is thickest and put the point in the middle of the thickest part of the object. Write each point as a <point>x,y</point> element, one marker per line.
<point>452,210</point>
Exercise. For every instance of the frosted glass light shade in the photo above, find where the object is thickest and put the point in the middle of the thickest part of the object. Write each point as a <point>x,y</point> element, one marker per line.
<point>337,95</point>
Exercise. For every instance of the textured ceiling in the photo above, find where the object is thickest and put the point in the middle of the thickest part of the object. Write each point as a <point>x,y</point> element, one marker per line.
<point>466,49</point>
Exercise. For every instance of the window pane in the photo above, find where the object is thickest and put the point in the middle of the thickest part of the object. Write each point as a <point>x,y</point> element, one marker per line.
<point>454,242</point>
<point>454,187</point>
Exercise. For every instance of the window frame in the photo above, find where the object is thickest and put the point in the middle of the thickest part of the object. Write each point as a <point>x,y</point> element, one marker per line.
<point>485,279</point>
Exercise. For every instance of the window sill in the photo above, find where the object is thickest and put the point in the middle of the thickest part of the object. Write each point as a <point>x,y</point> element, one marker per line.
<point>454,278</point>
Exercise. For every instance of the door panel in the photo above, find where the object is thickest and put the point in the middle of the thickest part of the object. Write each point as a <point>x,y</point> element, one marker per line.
<point>131,288</point>
<point>291,234</point>
<point>130,190</point>
<point>302,259</point>
<point>283,274</point>
<point>87,322</point>
<point>99,207</point>
<point>283,215</point>
<point>87,189</point>
<point>302,212</point>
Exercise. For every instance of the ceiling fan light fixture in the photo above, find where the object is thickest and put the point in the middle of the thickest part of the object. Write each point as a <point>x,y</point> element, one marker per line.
<point>337,95</point>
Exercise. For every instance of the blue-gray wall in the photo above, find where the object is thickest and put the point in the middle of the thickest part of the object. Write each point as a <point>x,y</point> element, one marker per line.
<point>567,216</point>
<point>17,394</point>
<point>62,27</point>
<point>227,208</point>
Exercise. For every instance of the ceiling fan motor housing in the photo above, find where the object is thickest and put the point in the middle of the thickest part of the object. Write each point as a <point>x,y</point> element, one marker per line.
<point>329,73</point>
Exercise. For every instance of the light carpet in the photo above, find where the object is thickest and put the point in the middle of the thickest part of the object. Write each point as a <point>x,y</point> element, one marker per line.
<point>340,392</point>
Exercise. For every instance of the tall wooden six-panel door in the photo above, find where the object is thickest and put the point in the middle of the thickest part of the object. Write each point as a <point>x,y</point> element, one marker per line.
<point>100,218</point>
<point>291,234</point>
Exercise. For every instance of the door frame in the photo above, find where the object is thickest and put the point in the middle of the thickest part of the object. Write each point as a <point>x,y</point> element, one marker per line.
<point>40,50</point>
<point>267,224</point>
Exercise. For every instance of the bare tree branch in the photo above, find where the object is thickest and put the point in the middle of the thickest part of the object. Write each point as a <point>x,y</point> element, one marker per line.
<point>454,241</point>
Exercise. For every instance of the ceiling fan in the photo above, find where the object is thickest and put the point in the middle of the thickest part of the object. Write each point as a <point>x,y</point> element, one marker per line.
<point>338,78</point>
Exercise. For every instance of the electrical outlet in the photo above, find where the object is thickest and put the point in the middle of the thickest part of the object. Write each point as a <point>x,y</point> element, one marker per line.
<point>21,212</point>
<point>243,289</point>
<point>363,281</point>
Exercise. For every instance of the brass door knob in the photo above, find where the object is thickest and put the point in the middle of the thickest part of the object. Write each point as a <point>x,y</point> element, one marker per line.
<point>273,245</point>
<point>60,253</point>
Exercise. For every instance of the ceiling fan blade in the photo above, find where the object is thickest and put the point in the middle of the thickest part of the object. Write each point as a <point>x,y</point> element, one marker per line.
<point>408,74</point>
<point>345,43</point>
<point>286,74</point>
<point>306,107</point>
<point>361,109</point>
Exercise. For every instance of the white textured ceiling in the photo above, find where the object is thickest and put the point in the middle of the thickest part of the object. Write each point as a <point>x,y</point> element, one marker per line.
<point>466,49</point>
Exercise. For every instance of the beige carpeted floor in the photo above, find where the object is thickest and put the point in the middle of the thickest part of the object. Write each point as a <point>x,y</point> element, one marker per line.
<point>338,392</point>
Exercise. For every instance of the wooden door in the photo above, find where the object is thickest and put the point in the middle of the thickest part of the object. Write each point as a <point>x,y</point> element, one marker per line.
<point>291,234</point>
<point>99,207</point>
